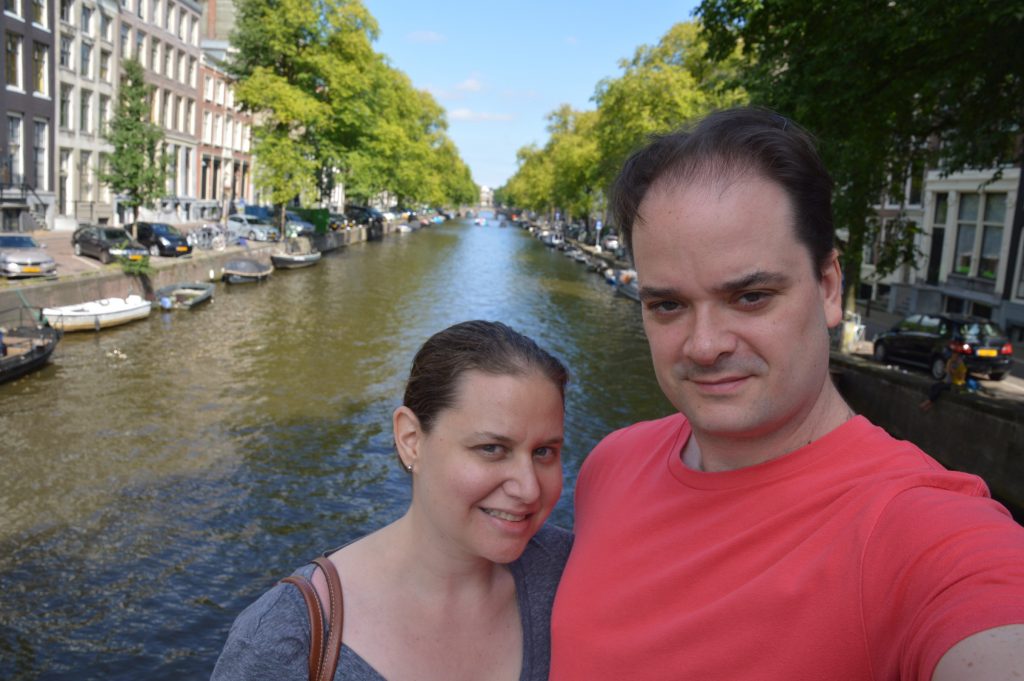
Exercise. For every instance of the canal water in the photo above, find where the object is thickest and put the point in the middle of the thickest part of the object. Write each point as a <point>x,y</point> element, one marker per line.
<point>156,478</point>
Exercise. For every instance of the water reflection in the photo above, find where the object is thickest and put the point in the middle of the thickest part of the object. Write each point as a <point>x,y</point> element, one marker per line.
<point>159,476</point>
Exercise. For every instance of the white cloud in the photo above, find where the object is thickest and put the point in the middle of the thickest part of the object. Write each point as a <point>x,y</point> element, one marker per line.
<point>470,115</point>
<point>426,37</point>
<point>471,84</point>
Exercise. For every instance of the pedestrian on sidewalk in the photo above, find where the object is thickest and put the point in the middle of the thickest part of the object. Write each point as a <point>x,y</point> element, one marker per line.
<point>955,379</point>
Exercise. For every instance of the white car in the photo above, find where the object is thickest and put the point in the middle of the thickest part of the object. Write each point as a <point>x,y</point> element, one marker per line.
<point>250,227</point>
<point>610,243</point>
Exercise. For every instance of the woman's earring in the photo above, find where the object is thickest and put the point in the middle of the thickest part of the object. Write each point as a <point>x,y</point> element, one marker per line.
<point>407,467</point>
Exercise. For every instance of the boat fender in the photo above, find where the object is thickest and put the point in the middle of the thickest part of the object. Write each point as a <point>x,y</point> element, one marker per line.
<point>166,303</point>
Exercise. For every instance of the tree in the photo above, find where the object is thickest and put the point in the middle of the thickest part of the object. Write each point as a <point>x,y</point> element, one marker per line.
<point>662,88</point>
<point>137,168</point>
<point>886,87</point>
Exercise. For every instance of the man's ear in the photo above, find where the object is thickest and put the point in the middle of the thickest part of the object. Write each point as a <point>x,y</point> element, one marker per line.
<point>408,435</point>
<point>832,289</point>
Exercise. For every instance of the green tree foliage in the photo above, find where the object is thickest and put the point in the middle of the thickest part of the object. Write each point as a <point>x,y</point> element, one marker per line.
<point>885,86</point>
<point>331,109</point>
<point>137,168</point>
<point>661,88</point>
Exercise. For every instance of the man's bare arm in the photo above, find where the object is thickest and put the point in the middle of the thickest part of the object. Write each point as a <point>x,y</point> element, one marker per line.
<point>992,655</point>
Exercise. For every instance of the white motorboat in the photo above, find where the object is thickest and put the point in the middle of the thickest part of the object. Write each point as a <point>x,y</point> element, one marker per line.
<point>99,314</point>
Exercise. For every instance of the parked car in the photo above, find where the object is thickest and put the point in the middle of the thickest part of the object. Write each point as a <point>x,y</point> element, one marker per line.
<point>251,227</point>
<point>105,243</point>
<point>364,215</point>
<point>162,239</point>
<point>610,243</point>
<point>22,256</point>
<point>927,340</point>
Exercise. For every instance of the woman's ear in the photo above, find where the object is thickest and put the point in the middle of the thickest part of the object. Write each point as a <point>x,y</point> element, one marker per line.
<point>408,434</point>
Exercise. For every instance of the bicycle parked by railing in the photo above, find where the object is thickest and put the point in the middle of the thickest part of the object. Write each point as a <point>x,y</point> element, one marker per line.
<point>208,237</point>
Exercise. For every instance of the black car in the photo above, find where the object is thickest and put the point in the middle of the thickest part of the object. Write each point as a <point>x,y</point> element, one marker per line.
<point>928,340</point>
<point>364,215</point>
<point>162,239</point>
<point>105,243</point>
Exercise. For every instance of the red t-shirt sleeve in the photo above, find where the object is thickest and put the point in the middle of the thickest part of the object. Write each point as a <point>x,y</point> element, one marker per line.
<point>939,567</point>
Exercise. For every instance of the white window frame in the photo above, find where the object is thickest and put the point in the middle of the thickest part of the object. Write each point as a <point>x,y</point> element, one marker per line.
<point>41,152</point>
<point>16,147</point>
<point>19,61</point>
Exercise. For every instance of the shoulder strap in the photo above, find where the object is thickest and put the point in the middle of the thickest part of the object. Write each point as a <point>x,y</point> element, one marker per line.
<point>323,660</point>
<point>337,615</point>
<point>316,623</point>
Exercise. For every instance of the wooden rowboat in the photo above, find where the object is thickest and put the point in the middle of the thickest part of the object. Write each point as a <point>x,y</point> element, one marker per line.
<point>184,295</point>
<point>99,314</point>
<point>25,343</point>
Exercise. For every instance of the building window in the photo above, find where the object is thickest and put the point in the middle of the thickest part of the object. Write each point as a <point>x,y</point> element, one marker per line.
<point>84,176</point>
<point>168,61</point>
<point>85,67</point>
<point>85,111</point>
<point>154,54</point>
<point>66,6</point>
<point>169,17</point>
<point>104,114</point>
<point>41,137</point>
<point>941,209</point>
<point>105,66</point>
<point>86,22</point>
<point>66,42</point>
<point>175,107</point>
<point>167,110</point>
<point>40,58</point>
<point>992,236</point>
<point>966,226</point>
<point>979,241</point>
<point>12,64</point>
<point>11,7</point>
<point>63,196</point>
<point>125,39</point>
<point>39,13</point>
<point>106,26</point>
<point>192,72</point>
<point>190,123</point>
<point>140,46</point>
<point>208,88</point>
<point>207,133</point>
<point>65,107</point>
<point>15,161</point>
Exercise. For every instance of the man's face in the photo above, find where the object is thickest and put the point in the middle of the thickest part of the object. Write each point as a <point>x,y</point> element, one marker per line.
<point>734,311</point>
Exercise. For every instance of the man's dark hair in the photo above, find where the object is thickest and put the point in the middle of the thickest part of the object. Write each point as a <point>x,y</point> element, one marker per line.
<point>727,144</point>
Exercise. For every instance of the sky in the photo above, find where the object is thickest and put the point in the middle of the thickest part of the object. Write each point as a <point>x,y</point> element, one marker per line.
<point>499,68</point>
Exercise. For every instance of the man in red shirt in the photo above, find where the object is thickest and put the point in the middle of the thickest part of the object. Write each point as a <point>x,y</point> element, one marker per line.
<point>765,531</point>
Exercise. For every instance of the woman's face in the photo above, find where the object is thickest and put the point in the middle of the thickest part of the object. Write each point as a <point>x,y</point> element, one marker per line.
<point>489,472</point>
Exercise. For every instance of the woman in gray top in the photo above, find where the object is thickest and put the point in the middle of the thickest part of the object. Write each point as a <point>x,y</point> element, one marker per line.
<point>461,586</point>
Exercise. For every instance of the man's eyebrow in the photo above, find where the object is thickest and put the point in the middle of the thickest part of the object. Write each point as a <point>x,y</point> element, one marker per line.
<point>753,280</point>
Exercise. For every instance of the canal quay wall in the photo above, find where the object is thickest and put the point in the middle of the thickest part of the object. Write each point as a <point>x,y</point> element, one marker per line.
<point>976,433</point>
<point>112,282</point>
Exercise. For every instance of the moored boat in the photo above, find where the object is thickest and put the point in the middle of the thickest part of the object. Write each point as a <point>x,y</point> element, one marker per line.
<point>26,342</point>
<point>184,295</point>
<point>298,252</point>
<point>99,314</point>
<point>246,271</point>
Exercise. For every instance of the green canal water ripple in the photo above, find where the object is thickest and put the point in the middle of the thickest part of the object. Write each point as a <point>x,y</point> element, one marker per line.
<point>158,477</point>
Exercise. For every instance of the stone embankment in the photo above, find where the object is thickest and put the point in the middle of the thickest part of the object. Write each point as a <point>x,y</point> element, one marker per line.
<point>110,281</point>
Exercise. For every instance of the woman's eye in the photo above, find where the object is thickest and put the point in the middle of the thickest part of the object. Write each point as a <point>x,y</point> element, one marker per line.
<point>545,453</point>
<point>491,450</point>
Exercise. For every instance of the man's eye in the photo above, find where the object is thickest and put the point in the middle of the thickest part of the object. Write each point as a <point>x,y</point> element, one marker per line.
<point>663,306</point>
<point>753,297</point>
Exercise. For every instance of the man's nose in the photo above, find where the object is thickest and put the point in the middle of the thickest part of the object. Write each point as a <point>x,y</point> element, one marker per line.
<point>709,337</point>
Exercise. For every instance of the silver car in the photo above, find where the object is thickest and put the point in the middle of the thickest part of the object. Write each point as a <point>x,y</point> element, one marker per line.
<point>250,227</point>
<point>22,256</point>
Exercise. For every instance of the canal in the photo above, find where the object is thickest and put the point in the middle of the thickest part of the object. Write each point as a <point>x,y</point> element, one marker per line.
<point>160,476</point>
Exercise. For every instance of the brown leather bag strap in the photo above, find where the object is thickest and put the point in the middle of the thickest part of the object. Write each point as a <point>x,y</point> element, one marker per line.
<point>316,623</point>
<point>336,613</point>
